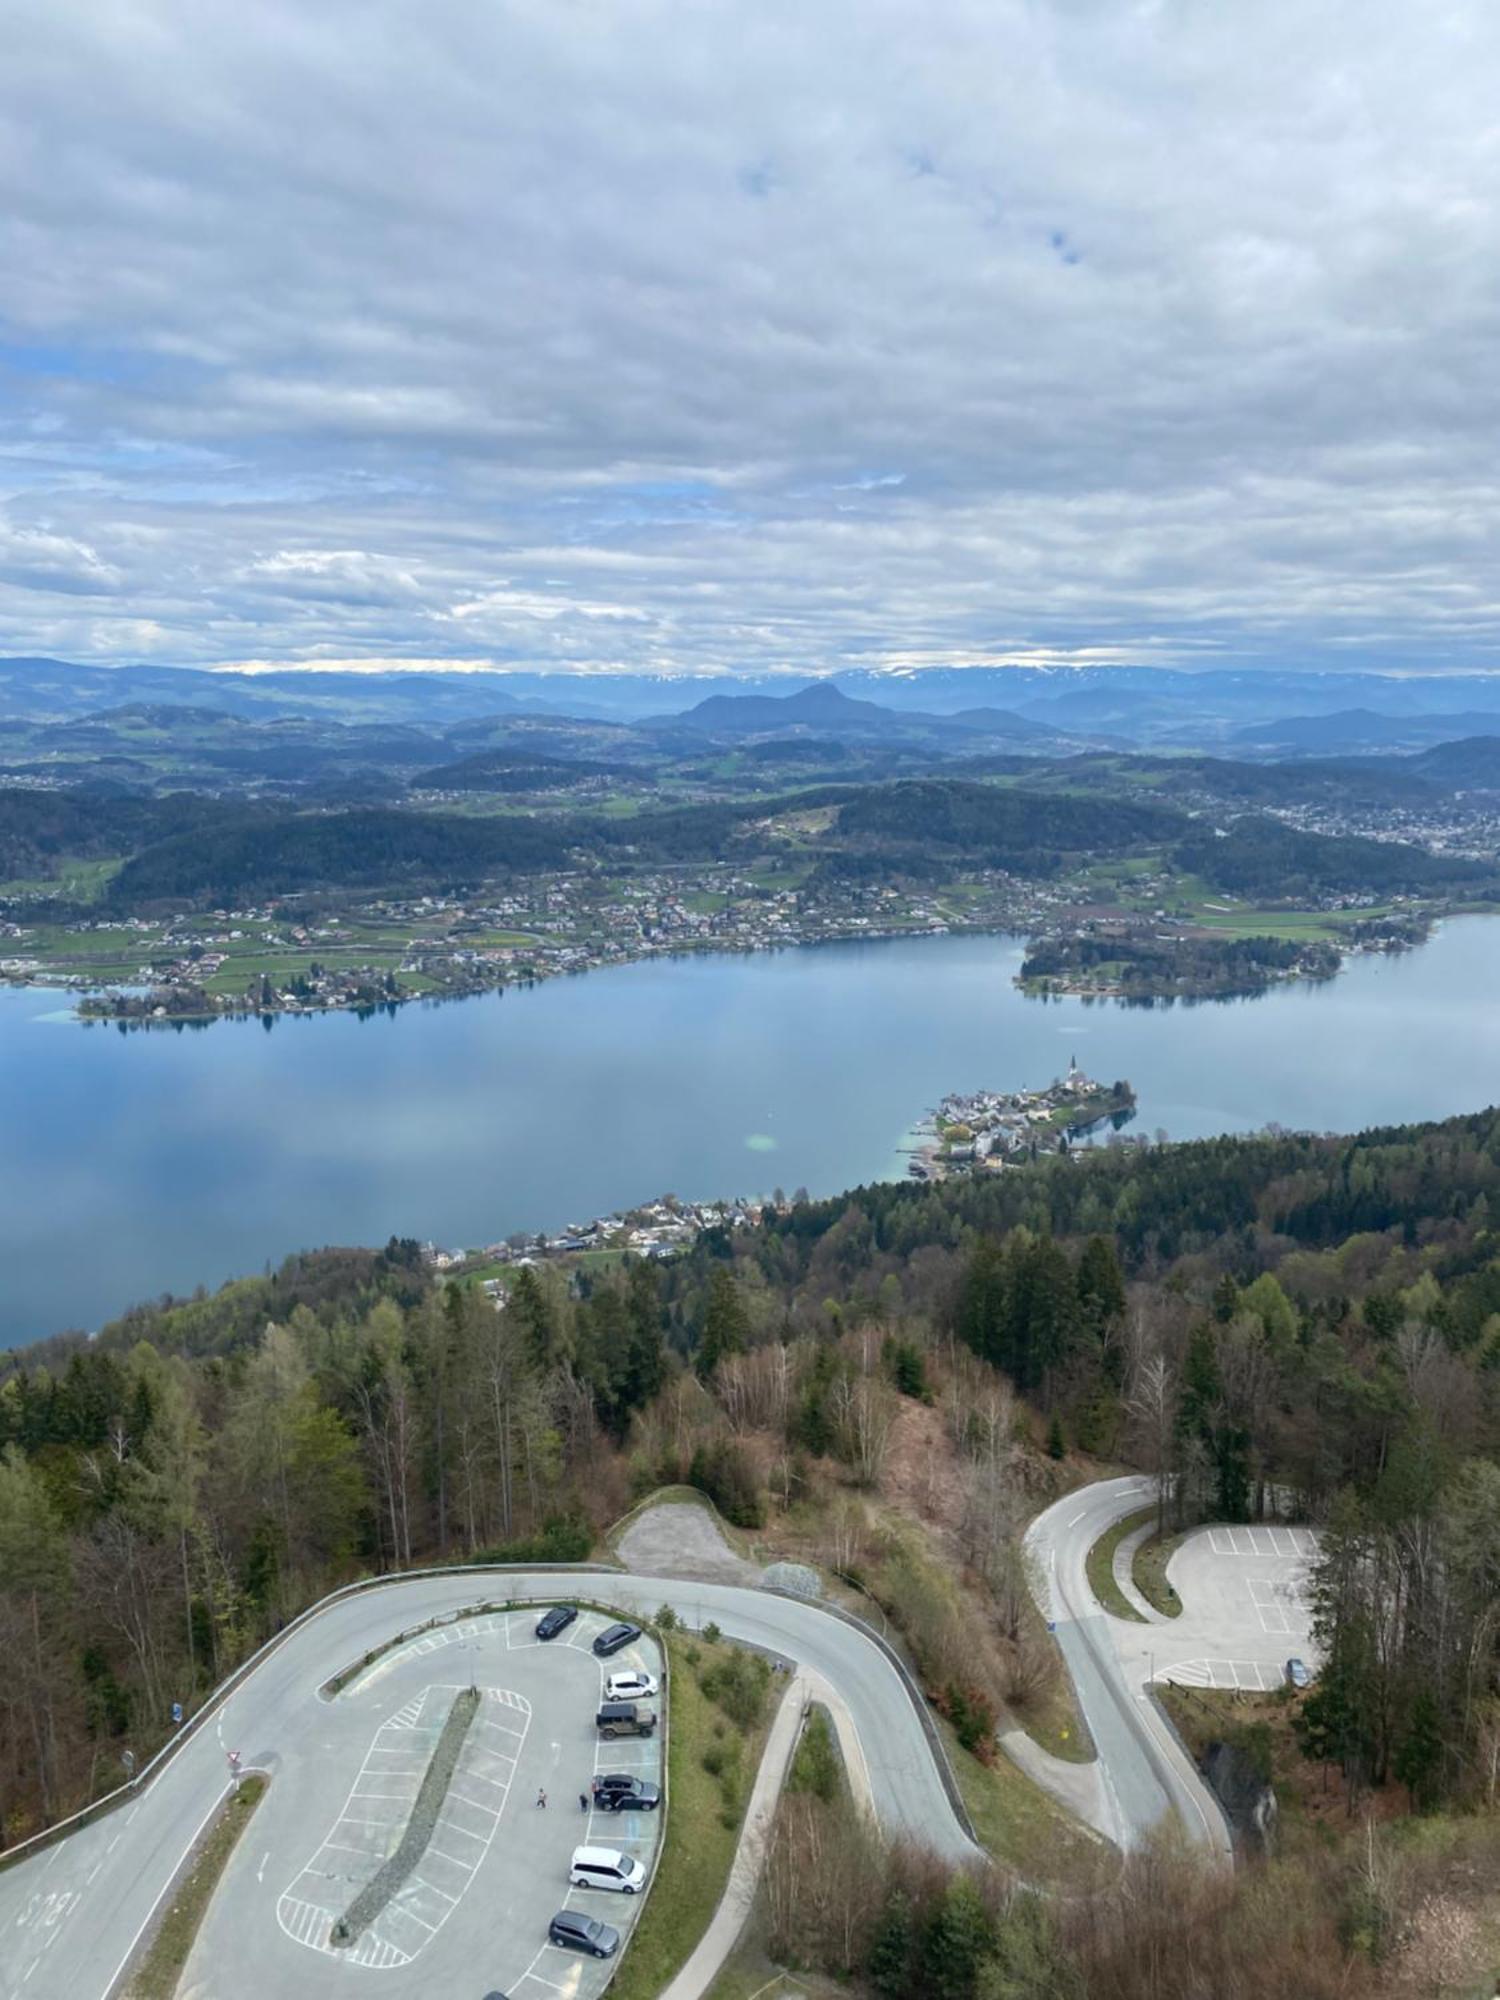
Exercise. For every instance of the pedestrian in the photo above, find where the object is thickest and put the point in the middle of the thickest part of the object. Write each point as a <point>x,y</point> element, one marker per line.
<point>541,1798</point>
<point>583,1801</point>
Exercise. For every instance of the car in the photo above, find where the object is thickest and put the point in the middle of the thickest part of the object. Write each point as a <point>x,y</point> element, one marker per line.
<point>558,1619</point>
<point>577,1932</point>
<point>606,1868</point>
<point>1297,1675</point>
<point>629,1687</point>
<point>614,1637</point>
<point>618,1791</point>
<point>624,1718</point>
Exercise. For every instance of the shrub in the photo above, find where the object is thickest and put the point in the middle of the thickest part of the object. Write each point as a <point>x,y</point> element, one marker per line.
<point>560,1540</point>
<point>738,1683</point>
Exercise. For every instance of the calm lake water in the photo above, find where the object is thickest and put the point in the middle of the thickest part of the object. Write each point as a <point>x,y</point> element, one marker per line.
<point>136,1163</point>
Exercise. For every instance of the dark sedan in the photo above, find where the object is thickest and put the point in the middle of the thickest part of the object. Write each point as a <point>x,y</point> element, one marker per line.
<point>558,1619</point>
<point>613,1637</point>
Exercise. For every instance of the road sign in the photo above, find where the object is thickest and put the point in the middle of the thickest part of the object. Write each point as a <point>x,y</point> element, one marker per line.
<point>177,1711</point>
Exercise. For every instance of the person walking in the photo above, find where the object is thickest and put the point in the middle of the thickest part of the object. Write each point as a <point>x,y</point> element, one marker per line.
<point>583,1801</point>
<point>541,1798</point>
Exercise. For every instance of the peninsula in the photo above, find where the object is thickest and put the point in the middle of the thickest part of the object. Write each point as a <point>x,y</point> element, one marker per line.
<point>993,1129</point>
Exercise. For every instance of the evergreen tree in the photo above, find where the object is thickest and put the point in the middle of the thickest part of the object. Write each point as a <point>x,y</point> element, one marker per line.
<point>726,1324</point>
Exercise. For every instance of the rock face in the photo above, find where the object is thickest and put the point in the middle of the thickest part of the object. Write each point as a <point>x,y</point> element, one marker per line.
<point>1240,1785</point>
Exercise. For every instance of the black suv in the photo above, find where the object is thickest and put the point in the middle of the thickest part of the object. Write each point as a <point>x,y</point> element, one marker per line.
<point>613,1637</point>
<point>619,1792</point>
<point>558,1619</point>
<point>624,1718</point>
<point>581,1933</point>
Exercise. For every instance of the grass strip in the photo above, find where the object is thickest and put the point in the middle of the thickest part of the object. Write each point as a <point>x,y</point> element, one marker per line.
<point>703,1827</point>
<point>1148,1569</point>
<point>1016,1821</point>
<point>1101,1566</point>
<point>392,1874</point>
<point>162,1967</point>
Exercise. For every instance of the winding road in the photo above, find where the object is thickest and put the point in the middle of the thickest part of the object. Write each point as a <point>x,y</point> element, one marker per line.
<point>72,1914</point>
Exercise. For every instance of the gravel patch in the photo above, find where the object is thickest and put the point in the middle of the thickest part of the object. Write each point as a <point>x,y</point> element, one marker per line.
<point>679,1539</point>
<point>797,1578</point>
<point>392,1874</point>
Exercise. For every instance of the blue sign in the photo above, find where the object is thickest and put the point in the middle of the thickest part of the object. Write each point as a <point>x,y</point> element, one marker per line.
<point>177,1711</point>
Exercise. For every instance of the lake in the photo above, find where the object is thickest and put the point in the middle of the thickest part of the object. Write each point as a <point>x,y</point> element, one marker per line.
<point>141,1162</point>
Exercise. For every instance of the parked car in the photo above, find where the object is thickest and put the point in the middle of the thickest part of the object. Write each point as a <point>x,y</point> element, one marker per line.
<point>613,1637</point>
<point>606,1868</point>
<point>624,1718</point>
<point>577,1932</point>
<point>629,1687</point>
<point>618,1791</point>
<point>1297,1674</point>
<point>558,1619</point>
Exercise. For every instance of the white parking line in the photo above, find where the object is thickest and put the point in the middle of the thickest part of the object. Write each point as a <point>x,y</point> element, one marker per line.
<point>304,1916</point>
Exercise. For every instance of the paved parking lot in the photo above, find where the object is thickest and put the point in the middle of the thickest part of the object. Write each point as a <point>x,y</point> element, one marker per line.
<point>473,1915</point>
<point>1245,1609</point>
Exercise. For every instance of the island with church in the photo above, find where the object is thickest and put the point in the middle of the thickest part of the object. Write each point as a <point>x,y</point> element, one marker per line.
<point>986,1130</point>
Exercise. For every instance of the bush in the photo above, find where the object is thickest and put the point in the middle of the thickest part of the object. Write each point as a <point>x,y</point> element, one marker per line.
<point>738,1684</point>
<point>972,1714</point>
<point>559,1540</point>
<point>815,1768</point>
<point>723,1470</point>
<point>666,1618</point>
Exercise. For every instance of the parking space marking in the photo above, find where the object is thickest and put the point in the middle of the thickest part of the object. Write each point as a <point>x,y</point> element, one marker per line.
<point>1244,1676</point>
<point>1269,1608</point>
<point>302,1909</point>
<point>1264,1539</point>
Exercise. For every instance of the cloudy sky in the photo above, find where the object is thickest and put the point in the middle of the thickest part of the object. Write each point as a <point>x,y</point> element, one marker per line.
<point>744,334</point>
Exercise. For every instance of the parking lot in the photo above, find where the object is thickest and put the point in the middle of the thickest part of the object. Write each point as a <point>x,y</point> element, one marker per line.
<point>1245,1608</point>
<point>472,1916</point>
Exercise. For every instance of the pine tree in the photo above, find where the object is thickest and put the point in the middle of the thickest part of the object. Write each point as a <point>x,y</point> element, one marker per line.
<point>726,1325</point>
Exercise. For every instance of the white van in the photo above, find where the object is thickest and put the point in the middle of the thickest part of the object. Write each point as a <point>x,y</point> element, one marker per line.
<point>603,1868</point>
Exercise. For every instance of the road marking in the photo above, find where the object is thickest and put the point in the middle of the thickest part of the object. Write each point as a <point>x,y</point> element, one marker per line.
<point>301,1910</point>
<point>260,1873</point>
<point>1073,1523</point>
<point>113,1980</point>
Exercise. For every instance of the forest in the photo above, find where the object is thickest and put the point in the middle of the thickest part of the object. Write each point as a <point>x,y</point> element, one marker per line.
<point>1311,1319</point>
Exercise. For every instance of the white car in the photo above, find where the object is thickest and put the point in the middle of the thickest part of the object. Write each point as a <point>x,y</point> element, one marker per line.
<point>629,1687</point>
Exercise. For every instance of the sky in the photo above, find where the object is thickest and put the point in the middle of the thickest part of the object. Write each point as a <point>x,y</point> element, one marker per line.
<point>751,335</point>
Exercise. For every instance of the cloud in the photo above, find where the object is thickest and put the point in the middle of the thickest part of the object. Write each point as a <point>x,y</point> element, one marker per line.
<point>644,335</point>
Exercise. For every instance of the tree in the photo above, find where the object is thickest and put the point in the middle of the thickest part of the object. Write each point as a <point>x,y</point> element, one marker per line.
<point>726,1324</point>
<point>959,1937</point>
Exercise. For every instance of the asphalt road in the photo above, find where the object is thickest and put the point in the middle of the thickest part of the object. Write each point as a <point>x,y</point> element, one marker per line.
<point>496,1867</point>
<point>1243,1614</point>
<point>70,1917</point>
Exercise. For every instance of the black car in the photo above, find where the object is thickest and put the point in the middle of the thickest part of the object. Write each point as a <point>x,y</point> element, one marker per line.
<point>582,1933</point>
<point>558,1619</point>
<point>613,1637</point>
<point>619,1792</point>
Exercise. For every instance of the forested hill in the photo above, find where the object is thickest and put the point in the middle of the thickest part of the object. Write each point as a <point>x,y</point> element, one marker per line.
<point>1310,1316</point>
<point>186,850</point>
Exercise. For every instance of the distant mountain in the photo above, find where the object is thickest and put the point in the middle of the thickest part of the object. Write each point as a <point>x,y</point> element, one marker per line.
<point>1471,764</point>
<point>1355,729</point>
<point>823,709</point>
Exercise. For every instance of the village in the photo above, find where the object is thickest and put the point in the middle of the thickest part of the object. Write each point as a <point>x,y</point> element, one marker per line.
<point>656,1229</point>
<point>987,1130</point>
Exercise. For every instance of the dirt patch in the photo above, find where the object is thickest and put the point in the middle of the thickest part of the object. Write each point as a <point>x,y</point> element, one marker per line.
<point>681,1540</point>
<point>921,1475</point>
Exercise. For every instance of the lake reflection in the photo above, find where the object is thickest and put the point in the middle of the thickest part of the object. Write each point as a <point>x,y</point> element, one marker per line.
<point>141,1162</point>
